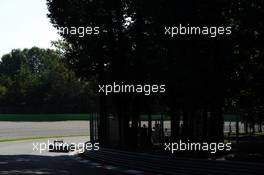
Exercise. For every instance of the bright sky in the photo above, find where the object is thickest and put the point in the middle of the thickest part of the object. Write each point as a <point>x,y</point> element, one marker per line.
<point>24,24</point>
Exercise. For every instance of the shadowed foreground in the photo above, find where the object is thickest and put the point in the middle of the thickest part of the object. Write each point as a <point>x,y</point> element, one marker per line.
<point>164,164</point>
<point>31,164</point>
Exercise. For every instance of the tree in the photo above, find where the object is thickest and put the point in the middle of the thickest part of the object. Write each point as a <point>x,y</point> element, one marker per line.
<point>37,81</point>
<point>197,70</point>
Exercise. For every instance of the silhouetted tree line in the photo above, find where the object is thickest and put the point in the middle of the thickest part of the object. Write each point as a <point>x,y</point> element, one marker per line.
<point>37,81</point>
<point>204,76</point>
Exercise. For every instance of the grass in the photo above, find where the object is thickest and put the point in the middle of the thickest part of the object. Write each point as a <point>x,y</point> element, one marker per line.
<point>43,117</point>
<point>65,117</point>
<point>243,134</point>
<point>55,117</point>
<point>37,138</point>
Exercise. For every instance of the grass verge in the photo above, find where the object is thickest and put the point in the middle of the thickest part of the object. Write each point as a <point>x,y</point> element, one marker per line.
<point>38,138</point>
<point>43,117</point>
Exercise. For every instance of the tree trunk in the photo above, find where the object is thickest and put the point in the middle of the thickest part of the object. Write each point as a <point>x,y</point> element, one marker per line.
<point>149,127</point>
<point>102,128</point>
<point>175,124</point>
<point>246,127</point>
<point>216,133</point>
<point>204,124</point>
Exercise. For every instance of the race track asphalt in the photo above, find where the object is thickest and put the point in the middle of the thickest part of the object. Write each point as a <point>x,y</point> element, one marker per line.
<point>14,130</point>
<point>21,157</point>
